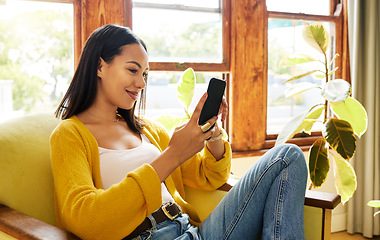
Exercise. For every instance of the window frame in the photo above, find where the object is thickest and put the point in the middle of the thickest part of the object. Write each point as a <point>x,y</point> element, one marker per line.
<point>336,18</point>
<point>245,23</point>
<point>201,67</point>
<point>252,140</point>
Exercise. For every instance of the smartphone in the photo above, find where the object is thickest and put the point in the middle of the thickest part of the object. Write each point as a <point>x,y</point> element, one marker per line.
<point>215,92</point>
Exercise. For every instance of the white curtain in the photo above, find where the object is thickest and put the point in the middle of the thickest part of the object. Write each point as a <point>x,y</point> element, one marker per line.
<point>364,42</point>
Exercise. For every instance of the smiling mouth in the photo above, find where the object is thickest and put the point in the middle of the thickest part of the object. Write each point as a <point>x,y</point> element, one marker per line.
<point>133,95</point>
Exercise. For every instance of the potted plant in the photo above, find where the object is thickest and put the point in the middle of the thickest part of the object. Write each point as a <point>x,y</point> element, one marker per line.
<point>344,119</point>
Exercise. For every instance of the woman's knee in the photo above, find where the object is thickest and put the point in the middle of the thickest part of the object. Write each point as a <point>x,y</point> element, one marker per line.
<point>299,160</point>
<point>294,156</point>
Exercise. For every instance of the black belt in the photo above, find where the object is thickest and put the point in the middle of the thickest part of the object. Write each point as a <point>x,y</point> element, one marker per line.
<point>167,211</point>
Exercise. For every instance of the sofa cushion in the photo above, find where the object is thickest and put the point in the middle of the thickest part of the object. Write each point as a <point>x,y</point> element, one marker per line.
<point>26,180</point>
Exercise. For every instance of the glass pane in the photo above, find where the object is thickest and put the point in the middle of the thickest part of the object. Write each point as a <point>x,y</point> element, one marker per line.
<point>194,3</point>
<point>161,95</point>
<point>317,7</point>
<point>36,56</point>
<point>284,39</point>
<point>174,35</point>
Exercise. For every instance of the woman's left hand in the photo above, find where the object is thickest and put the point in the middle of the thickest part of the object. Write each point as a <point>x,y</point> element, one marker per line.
<point>217,147</point>
<point>223,110</point>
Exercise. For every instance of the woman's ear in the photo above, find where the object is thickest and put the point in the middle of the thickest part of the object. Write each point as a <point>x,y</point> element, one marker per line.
<point>101,64</point>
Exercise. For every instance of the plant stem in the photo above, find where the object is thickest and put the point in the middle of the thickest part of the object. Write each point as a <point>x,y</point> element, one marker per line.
<point>327,79</point>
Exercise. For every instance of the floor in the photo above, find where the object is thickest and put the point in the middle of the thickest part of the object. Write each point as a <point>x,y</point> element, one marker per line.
<point>346,236</point>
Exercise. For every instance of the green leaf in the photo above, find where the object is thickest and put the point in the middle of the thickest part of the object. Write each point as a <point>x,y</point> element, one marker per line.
<point>336,90</point>
<point>332,71</point>
<point>353,112</point>
<point>340,136</point>
<point>300,76</point>
<point>318,75</point>
<point>345,178</point>
<point>170,122</point>
<point>185,88</point>
<point>297,89</point>
<point>374,203</point>
<point>293,60</point>
<point>316,36</point>
<point>309,121</point>
<point>319,165</point>
<point>289,129</point>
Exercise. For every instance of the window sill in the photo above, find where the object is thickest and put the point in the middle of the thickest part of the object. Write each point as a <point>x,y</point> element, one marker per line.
<point>300,140</point>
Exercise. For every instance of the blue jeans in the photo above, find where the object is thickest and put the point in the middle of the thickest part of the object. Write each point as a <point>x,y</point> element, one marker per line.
<point>267,201</point>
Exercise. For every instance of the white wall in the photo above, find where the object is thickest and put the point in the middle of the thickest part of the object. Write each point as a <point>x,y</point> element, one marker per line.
<point>241,165</point>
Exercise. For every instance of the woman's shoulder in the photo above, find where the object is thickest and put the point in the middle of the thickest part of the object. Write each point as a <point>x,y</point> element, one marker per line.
<point>72,125</point>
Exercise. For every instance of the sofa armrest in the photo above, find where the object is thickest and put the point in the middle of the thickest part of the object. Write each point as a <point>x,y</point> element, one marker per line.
<point>312,198</point>
<point>321,199</point>
<point>22,226</point>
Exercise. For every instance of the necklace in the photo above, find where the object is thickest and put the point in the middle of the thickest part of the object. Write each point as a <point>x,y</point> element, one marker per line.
<point>117,118</point>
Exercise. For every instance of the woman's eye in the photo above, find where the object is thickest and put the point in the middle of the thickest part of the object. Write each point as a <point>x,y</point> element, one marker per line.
<point>133,70</point>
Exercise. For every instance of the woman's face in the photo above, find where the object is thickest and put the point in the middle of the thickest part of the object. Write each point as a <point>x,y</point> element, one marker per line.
<point>121,81</point>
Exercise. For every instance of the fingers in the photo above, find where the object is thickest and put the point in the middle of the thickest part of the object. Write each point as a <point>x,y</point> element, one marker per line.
<point>209,124</point>
<point>205,127</point>
<point>198,109</point>
<point>223,110</point>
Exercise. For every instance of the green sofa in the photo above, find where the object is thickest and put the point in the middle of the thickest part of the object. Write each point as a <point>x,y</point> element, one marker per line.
<point>26,186</point>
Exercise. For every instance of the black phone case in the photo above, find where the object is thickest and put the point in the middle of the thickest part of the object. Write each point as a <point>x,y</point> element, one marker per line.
<point>215,93</point>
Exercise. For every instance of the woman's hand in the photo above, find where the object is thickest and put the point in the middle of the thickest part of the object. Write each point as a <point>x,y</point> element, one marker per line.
<point>215,144</point>
<point>223,110</point>
<point>189,138</point>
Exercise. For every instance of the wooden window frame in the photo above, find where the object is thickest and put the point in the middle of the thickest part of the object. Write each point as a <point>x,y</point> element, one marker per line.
<point>201,67</point>
<point>245,58</point>
<point>249,82</point>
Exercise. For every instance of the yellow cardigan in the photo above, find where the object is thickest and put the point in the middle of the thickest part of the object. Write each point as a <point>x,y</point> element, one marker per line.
<point>84,208</point>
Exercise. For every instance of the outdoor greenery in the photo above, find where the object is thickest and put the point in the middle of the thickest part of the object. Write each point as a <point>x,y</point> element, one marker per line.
<point>36,53</point>
<point>199,40</point>
<point>345,119</point>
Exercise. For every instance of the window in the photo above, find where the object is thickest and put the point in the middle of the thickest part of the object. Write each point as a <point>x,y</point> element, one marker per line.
<point>242,54</point>
<point>180,34</point>
<point>284,37</point>
<point>261,33</point>
<point>161,92</point>
<point>36,56</point>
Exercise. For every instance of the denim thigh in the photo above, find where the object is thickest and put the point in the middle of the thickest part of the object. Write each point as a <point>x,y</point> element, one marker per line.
<point>177,229</point>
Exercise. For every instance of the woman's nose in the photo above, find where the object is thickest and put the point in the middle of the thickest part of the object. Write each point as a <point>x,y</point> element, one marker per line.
<point>141,82</point>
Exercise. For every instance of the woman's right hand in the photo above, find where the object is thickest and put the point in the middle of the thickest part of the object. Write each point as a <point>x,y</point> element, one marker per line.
<point>188,139</point>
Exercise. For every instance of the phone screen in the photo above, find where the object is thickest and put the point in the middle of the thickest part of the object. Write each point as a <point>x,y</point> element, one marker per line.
<point>215,92</point>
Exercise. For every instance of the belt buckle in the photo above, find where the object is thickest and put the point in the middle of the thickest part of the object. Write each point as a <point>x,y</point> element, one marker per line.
<point>166,212</point>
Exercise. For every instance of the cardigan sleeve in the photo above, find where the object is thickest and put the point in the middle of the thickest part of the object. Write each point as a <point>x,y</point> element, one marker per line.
<point>202,170</point>
<point>93,213</point>
<point>205,172</point>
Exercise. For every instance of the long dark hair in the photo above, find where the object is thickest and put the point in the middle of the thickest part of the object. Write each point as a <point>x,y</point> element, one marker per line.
<point>105,42</point>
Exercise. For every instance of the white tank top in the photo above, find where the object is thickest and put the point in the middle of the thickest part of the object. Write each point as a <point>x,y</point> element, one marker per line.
<point>116,164</point>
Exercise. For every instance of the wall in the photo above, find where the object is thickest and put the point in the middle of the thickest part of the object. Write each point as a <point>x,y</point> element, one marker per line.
<point>240,166</point>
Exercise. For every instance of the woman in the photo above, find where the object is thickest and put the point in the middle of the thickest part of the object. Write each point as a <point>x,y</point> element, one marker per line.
<point>118,176</point>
